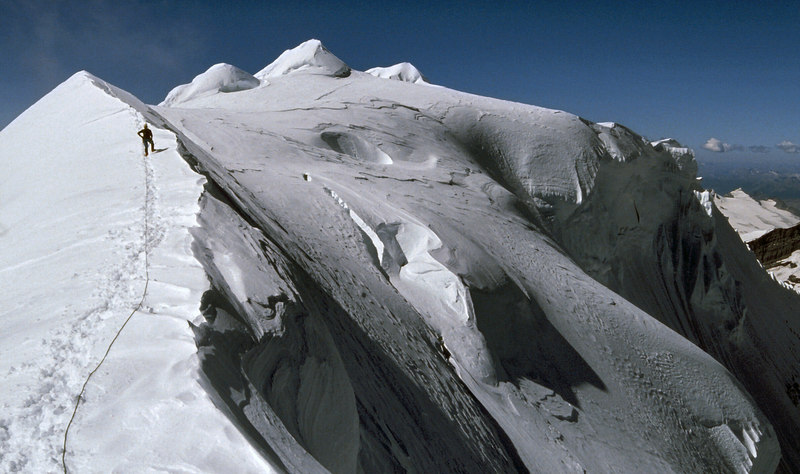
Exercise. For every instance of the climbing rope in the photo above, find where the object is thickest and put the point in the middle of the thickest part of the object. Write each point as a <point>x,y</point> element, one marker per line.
<point>119,331</point>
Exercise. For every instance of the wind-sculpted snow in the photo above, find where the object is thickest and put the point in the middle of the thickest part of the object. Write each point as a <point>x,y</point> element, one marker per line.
<point>544,157</point>
<point>405,72</point>
<point>218,78</point>
<point>309,57</point>
<point>355,146</point>
<point>439,281</point>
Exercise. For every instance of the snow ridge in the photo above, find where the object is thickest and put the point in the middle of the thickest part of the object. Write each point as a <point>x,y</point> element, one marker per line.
<point>148,186</point>
<point>72,265</point>
<point>81,327</point>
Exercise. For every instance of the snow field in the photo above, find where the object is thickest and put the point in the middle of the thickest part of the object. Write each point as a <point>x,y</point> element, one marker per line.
<point>752,218</point>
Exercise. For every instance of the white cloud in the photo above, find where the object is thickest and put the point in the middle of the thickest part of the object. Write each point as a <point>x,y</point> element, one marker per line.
<point>718,146</point>
<point>714,145</point>
<point>788,147</point>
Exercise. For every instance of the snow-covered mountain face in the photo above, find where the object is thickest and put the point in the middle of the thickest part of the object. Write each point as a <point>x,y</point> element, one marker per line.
<point>773,234</point>
<point>683,264</point>
<point>406,277</point>
<point>779,252</point>
<point>752,218</point>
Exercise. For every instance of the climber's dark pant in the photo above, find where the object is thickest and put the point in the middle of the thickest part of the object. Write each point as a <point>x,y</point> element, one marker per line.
<point>145,141</point>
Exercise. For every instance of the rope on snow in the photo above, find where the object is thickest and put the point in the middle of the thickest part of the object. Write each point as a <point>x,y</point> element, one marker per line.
<point>119,331</point>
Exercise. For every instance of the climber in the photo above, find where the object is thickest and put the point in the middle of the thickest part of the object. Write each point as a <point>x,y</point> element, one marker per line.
<point>147,137</point>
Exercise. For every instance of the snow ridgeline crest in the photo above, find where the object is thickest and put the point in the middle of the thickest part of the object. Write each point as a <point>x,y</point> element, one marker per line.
<point>82,78</point>
<point>310,57</point>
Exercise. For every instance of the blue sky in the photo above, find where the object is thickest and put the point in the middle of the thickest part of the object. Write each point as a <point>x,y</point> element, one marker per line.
<point>689,70</point>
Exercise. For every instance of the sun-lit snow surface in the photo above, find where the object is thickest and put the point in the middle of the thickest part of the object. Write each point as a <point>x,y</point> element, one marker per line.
<point>751,218</point>
<point>787,270</point>
<point>405,72</point>
<point>218,78</point>
<point>413,278</point>
<point>309,57</point>
<point>74,196</point>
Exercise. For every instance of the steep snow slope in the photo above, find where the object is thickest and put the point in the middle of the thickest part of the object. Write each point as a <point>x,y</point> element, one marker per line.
<point>87,225</point>
<point>658,242</point>
<point>427,289</point>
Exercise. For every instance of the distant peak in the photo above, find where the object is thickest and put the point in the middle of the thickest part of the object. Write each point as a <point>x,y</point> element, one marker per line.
<point>405,72</point>
<point>311,57</point>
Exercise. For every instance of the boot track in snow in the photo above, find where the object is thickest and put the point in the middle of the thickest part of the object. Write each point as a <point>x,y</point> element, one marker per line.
<point>147,210</point>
